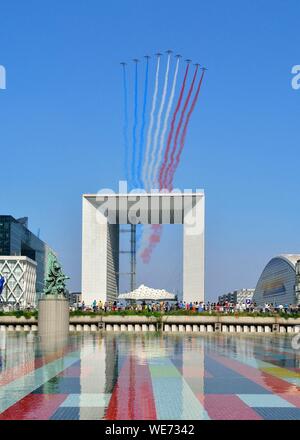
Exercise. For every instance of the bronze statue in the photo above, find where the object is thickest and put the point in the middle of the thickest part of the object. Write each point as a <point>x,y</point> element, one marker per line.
<point>55,280</point>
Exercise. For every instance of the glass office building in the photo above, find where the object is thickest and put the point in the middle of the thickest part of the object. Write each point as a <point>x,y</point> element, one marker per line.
<point>278,283</point>
<point>16,239</point>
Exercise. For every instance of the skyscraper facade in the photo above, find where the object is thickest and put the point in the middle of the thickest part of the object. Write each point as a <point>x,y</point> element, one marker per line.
<point>17,240</point>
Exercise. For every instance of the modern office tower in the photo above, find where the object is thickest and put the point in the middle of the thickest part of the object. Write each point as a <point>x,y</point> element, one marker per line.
<point>17,240</point>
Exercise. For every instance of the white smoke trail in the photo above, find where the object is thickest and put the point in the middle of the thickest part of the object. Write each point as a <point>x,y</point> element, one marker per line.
<point>149,132</point>
<point>158,124</point>
<point>165,125</point>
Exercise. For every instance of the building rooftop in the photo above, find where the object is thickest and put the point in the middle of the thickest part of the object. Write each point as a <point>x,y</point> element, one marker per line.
<point>290,258</point>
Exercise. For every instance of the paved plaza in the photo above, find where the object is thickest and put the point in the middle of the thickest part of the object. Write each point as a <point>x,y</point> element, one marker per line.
<point>128,377</point>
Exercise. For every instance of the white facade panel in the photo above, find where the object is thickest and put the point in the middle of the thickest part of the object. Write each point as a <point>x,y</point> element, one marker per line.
<point>193,251</point>
<point>20,275</point>
<point>94,253</point>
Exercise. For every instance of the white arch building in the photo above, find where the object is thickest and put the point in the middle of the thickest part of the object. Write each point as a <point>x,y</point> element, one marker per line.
<point>104,213</point>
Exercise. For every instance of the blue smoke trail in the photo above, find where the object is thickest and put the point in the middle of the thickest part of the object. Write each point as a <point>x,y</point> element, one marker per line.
<point>125,126</point>
<point>139,230</point>
<point>135,123</point>
<point>141,147</point>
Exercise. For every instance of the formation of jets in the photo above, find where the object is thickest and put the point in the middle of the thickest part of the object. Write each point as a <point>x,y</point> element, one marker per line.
<point>159,54</point>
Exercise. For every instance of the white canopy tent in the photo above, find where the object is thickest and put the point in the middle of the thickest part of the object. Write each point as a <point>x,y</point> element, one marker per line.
<point>144,293</point>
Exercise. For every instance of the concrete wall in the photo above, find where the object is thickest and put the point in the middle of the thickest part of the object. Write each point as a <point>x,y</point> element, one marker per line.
<point>183,323</point>
<point>112,262</point>
<point>94,253</point>
<point>193,251</point>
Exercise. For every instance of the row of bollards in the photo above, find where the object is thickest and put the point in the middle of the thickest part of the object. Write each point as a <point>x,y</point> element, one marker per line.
<point>182,328</point>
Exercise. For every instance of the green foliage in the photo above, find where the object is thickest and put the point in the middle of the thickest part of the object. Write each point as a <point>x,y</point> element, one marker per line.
<point>20,313</point>
<point>34,314</point>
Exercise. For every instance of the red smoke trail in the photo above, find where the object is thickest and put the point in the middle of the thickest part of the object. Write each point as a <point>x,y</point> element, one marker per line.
<point>170,135</point>
<point>157,229</point>
<point>167,182</point>
<point>183,135</point>
<point>153,240</point>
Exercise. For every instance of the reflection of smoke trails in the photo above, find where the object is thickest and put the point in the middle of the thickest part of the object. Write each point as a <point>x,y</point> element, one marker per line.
<point>165,124</point>
<point>162,169</point>
<point>141,147</point>
<point>157,129</point>
<point>149,134</point>
<point>183,135</point>
<point>135,122</point>
<point>171,162</point>
<point>125,126</point>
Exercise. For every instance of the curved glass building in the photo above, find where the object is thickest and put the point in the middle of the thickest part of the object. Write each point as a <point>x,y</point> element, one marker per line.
<point>279,282</point>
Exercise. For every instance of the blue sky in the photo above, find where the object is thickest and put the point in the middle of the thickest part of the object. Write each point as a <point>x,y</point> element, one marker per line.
<point>61,123</point>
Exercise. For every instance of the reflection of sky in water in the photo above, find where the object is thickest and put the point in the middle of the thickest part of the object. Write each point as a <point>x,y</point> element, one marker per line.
<point>154,376</point>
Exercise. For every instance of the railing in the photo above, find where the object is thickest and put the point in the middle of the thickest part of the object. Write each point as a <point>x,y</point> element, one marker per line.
<point>181,324</point>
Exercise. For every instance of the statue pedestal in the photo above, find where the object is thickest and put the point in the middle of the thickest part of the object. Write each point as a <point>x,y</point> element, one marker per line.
<point>53,317</point>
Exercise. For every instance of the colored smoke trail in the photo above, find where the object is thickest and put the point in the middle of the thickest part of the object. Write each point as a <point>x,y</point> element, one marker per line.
<point>150,128</point>
<point>165,124</point>
<point>162,169</point>
<point>146,233</point>
<point>156,230</point>
<point>142,134</point>
<point>183,135</point>
<point>154,239</point>
<point>171,162</point>
<point>125,124</point>
<point>139,231</point>
<point>150,180</point>
<point>135,123</point>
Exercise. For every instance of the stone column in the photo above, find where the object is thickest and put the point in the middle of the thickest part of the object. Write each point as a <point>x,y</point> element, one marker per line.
<point>53,318</point>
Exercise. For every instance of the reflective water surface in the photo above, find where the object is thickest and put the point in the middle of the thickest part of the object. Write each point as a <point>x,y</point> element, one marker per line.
<point>149,376</point>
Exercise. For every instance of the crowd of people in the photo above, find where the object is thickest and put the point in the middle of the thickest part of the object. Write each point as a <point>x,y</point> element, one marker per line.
<point>165,307</point>
<point>197,307</point>
<point>15,307</point>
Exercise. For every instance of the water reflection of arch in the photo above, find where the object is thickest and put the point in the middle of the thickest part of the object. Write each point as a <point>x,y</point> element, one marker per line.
<point>16,350</point>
